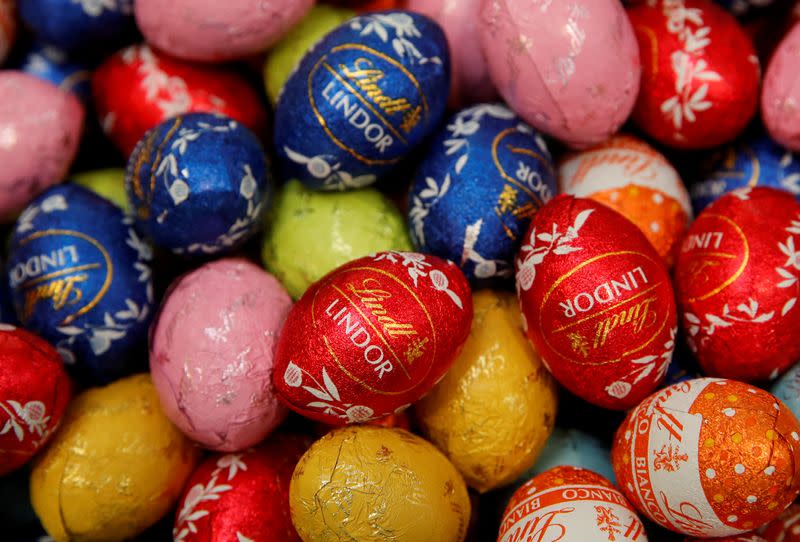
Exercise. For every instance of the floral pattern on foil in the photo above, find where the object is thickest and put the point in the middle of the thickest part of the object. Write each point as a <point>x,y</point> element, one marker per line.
<point>417,266</point>
<point>405,33</point>
<point>644,368</point>
<point>31,416</point>
<point>328,170</point>
<point>327,395</point>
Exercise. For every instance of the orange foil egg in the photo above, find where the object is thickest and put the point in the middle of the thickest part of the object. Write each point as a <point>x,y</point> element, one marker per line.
<point>786,528</point>
<point>709,457</point>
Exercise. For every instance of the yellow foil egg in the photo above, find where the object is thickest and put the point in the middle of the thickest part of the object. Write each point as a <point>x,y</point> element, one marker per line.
<point>114,468</point>
<point>373,484</point>
<point>494,410</point>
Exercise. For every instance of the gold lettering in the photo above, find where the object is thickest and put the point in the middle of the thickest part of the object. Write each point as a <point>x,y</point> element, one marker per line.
<point>366,77</point>
<point>638,317</point>
<point>371,297</point>
<point>61,292</point>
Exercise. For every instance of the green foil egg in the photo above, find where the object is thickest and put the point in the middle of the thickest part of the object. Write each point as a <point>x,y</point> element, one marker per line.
<point>109,183</point>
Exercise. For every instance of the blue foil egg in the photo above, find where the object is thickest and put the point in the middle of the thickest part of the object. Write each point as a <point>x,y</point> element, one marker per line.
<point>787,389</point>
<point>473,196</point>
<point>54,65</point>
<point>198,184</point>
<point>362,99</point>
<point>80,277</point>
<point>73,25</point>
<point>758,162</point>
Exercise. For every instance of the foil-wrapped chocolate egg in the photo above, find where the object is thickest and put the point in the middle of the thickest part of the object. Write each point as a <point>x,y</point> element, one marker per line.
<point>198,184</point>
<point>372,337</point>
<point>756,162</point>
<point>496,406</point>
<point>786,528</point>
<point>137,88</point>
<point>709,457</point>
<point>114,468</point>
<point>52,64</point>
<point>80,277</point>
<point>596,299</point>
<point>636,180</point>
<point>780,94</point>
<point>737,284</point>
<point>700,74</point>
<point>34,392</point>
<point>548,61</point>
<point>362,99</point>
<point>787,389</point>
<point>211,353</point>
<point>486,174</point>
<point>366,483</point>
<point>109,183</point>
<point>41,130</point>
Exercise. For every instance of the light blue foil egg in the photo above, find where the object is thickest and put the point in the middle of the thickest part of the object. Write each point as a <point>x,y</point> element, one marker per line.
<point>362,99</point>
<point>80,277</point>
<point>787,389</point>
<point>54,65</point>
<point>758,162</point>
<point>473,196</point>
<point>198,184</point>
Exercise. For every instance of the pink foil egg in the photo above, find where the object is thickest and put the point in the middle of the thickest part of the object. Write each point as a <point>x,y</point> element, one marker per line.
<point>570,68</point>
<point>211,353</point>
<point>40,128</point>
<point>459,19</point>
<point>780,97</point>
<point>210,31</point>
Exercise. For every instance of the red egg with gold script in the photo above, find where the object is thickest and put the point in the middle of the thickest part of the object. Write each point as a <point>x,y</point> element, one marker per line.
<point>737,284</point>
<point>700,73</point>
<point>372,337</point>
<point>138,88</point>
<point>597,302</point>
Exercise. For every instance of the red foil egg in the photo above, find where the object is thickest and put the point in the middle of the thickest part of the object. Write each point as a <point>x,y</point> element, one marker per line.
<point>700,73</point>
<point>242,497</point>
<point>737,284</point>
<point>372,337</point>
<point>597,302</point>
<point>138,88</point>
<point>34,392</point>
<point>786,528</point>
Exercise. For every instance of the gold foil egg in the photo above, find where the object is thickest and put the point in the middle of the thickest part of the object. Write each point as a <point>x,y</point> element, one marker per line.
<point>375,484</point>
<point>114,468</point>
<point>494,410</point>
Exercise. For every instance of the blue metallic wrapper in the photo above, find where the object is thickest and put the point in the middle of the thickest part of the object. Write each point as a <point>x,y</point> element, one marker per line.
<point>198,184</point>
<point>79,25</point>
<point>787,389</point>
<point>474,194</point>
<point>362,99</point>
<point>758,162</point>
<point>54,65</point>
<point>80,277</point>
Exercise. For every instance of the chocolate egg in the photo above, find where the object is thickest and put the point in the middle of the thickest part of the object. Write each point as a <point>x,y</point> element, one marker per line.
<point>137,88</point>
<point>573,447</point>
<point>636,180</point>
<point>212,31</point>
<point>369,483</point>
<point>198,184</point>
<point>779,96</point>
<point>567,503</point>
<point>54,65</point>
<point>736,279</point>
<point>362,99</point>
<point>709,457</point>
<point>496,406</point>
<point>310,233</point>
<point>41,131</point>
<point>109,183</point>
<point>756,162</point>
<point>80,277</point>
<point>372,337</point>
<point>484,177</point>
<point>787,389</point>
<point>242,497</point>
<point>114,468</point>
<point>34,393</point>
<point>597,299</point>
<point>211,353</point>
<point>784,529</point>
<point>548,61</point>
<point>700,73</point>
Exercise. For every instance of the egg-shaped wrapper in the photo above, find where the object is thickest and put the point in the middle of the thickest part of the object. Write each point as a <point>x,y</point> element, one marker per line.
<point>41,130</point>
<point>310,233</point>
<point>787,389</point>
<point>470,80</point>
<point>573,447</point>
<point>114,468</point>
<point>211,353</point>
<point>52,64</point>
<point>736,280</point>
<point>8,27</point>
<point>709,457</point>
<point>780,94</point>
<point>548,61</point>
<point>284,57</point>
<point>34,392</point>
<point>365,483</point>
<point>786,528</point>
<point>137,88</point>
<point>217,31</point>
<point>361,100</point>
<point>109,183</point>
<point>495,408</point>
<point>636,180</point>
